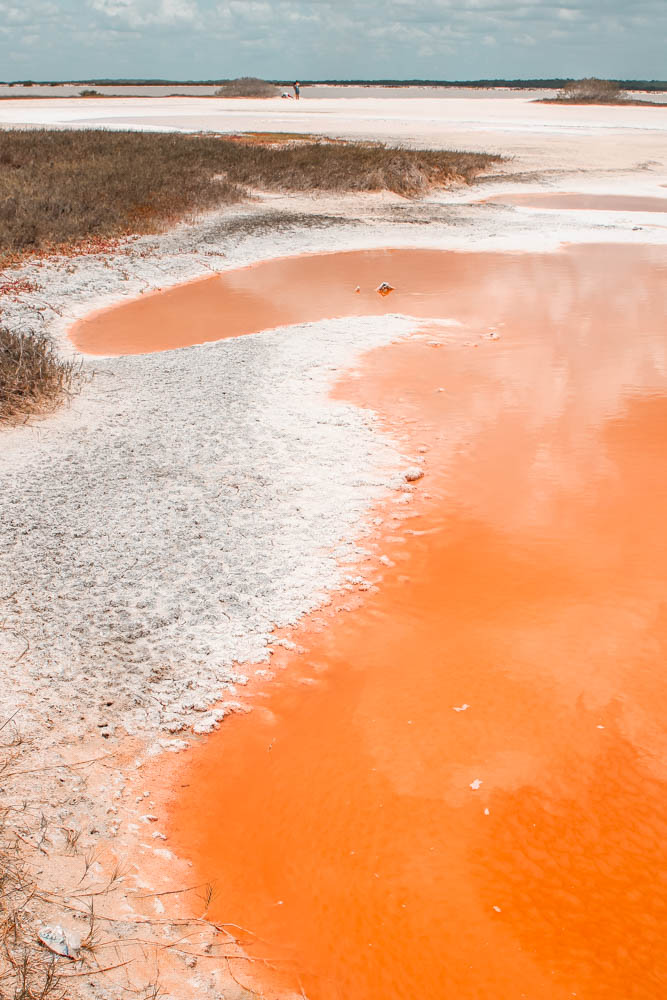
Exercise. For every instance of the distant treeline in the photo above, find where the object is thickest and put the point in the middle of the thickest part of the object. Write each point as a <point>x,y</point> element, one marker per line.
<point>551,84</point>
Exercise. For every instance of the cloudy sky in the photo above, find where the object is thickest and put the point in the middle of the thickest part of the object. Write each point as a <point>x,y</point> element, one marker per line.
<point>342,39</point>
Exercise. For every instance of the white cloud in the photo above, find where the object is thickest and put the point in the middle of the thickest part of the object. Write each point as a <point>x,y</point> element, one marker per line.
<point>452,39</point>
<point>11,14</point>
<point>144,13</point>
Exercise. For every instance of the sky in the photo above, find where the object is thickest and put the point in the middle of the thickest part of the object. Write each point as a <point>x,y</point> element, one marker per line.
<point>332,39</point>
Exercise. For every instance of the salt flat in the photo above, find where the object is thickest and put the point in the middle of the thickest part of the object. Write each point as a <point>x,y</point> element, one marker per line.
<point>157,529</point>
<point>542,135</point>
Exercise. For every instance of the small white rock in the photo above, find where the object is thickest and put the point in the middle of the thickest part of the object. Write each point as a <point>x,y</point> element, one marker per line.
<point>59,941</point>
<point>412,475</point>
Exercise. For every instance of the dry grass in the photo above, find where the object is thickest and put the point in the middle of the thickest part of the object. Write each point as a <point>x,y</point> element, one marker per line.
<point>33,379</point>
<point>247,86</point>
<point>27,971</point>
<point>352,167</point>
<point>64,187</point>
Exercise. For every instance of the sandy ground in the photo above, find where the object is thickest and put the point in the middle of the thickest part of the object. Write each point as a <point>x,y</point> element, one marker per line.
<point>185,504</point>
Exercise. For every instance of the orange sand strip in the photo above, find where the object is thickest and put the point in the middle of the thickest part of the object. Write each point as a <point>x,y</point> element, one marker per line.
<point>391,846</point>
<point>598,202</point>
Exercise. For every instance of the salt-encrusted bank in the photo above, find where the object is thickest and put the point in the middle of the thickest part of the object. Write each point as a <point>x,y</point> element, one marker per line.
<point>156,530</point>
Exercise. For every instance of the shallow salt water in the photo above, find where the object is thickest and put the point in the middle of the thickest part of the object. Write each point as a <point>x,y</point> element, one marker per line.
<point>457,788</point>
<point>586,202</point>
<point>274,293</point>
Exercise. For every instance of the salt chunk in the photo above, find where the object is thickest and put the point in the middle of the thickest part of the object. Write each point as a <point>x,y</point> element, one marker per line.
<point>59,941</point>
<point>412,475</point>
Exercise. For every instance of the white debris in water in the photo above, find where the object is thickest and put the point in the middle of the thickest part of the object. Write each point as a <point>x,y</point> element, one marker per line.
<point>477,783</point>
<point>283,643</point>
<point>461,708</point>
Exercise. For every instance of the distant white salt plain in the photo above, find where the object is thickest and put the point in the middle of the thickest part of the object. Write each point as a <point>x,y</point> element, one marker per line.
<point>307,92</point>
<point>317,91</point>
<point>509,122</point>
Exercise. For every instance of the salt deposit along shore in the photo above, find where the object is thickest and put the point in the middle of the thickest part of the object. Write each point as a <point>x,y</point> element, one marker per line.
<point>157,529</point>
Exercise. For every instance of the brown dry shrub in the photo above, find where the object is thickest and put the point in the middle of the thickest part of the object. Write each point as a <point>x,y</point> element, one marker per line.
<point>247,86</point>
<point>59,187</point>
<point>592,91</point>
<point>33,379</point>
<point>63,187</point>
<point>351,166</point>
<point>27,972</point>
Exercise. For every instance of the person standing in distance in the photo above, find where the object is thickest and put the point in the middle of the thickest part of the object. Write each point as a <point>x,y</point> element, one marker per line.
<point>297,89</point>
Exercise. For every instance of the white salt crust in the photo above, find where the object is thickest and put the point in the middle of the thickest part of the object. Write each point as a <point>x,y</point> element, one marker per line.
<point>187,503</point>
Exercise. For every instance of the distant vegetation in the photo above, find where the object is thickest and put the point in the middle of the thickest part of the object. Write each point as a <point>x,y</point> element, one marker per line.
<point>592,91</point>
<point>247,86</point>
<point>552,83</point>
<point>59,187</point>
<point>90,93</point>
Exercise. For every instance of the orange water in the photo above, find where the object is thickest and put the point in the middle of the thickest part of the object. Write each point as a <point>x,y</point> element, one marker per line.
<point>598,202</point>
<point>338,819</point>
<point>276,293</point>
